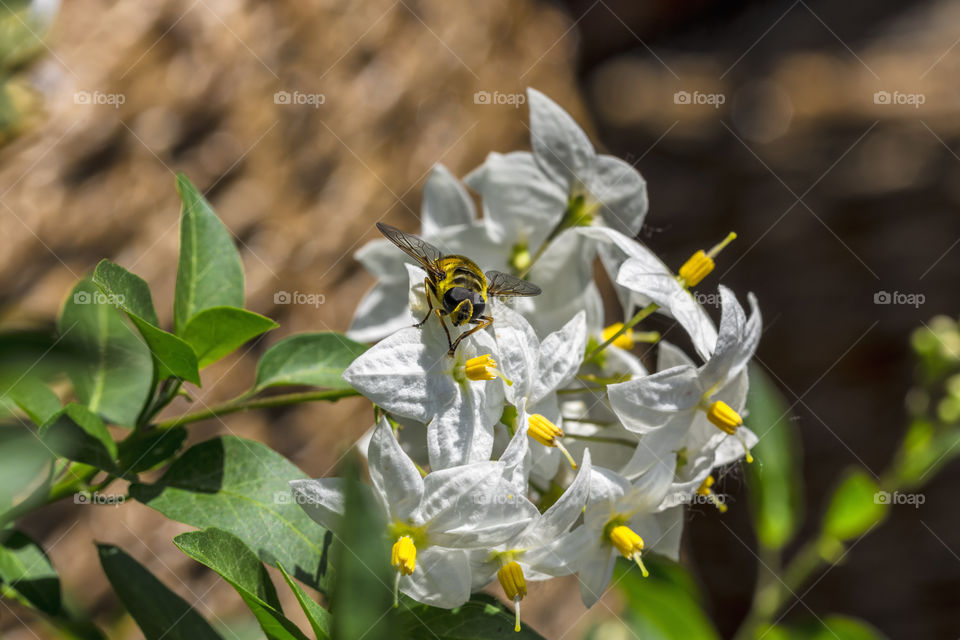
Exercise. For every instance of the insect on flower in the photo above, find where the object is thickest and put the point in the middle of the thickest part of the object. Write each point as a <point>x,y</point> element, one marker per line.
<point>457,284</point>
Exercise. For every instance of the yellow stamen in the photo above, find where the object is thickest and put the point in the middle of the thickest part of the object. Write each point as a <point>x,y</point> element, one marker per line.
<point>484,368</point>
<point>403,557</point>
<point>701,263</point>
<point>629,544</point>
<point>514,586</point>
<point>546,433</point>
<point>727,420</point>
<point>706,491</point>
<point>624,340</point>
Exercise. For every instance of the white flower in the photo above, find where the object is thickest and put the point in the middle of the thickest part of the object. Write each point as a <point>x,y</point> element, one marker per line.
<point>623,518</point>
<point>672,400</point>
<point>564,182</point>
<point>430,520</point>
<point>460,398</point>
<point>540,551</point>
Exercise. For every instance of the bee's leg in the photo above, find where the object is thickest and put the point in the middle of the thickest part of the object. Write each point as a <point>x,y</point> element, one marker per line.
<point>445,330</point>
<point>482,323</point>
<point>430,310</point>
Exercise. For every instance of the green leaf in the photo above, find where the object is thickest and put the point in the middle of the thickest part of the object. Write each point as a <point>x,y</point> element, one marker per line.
<point>116,377</point>
<point>857,505</point>
<point>23,455</point>
<point>209,273</point>
<point>35,399</point>
<point>364,580</point>
<point>242,486</point>
<point>217,331</point>
<point>78,434</point>
<point>317,616</point>
<point>147,449</point>
<point>131,294</point>
<point>664,606</point>
<point>832,627</point>
<point>481,618</point>
<point>159,612</point>
<point>316,359</point>
<point>774,477</point>
<point>26,569</point>
<point>237,564</point>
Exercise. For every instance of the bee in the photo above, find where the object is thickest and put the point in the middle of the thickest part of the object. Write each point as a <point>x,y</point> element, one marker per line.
<point>459,286</point>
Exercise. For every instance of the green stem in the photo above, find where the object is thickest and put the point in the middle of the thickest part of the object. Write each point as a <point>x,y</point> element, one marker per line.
<point>241,404</point>
<point>634,321</point>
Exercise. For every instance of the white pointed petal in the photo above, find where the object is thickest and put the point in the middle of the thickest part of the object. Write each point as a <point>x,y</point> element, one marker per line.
<point>670,355</point>
<point>560,146</point>
<point>622,191</point>
<point>560,356</point>
<point>407,373</point>
<point>558,519</point>
<point>736,342</point>
<point>441,578</point>
<point>516,457</point>
<point>647,492</point>
<point>596,569</point>
<point>606,486</point>
<point>382,311</point>
<point>518,347</point>
<point>445,202</point>
<point>321,499</point>
<point>559,556</point>
<point>650,403</point>
<point>656,284</point>
<point>520,202</point>
<point>393,474</point>
<point>381,258</point>
<point>655,447</point>
<point>458,436</point>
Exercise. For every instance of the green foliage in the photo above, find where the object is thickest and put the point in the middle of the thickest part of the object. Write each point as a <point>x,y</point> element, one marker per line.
<point>217,331</point>
<point>24,457</point>
<point>774,477</point>
<point>241,486</point>
<point>316,359</point>
<point>209,273</point>
<point>171,355</point>
<point>482,617</point>
<point>116,375</point>
<point>26,569</point>
<point>159,612</point>
<point>832,627</point>
<point>237,564</point>
<point>35,399</point>
<point>317,616</point>
<point>857,505</point>
<point>665,605</point>
<point>147,449</point>
<point>78,434</point>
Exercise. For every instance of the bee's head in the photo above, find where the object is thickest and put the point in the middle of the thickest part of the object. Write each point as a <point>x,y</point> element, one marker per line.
<point>463,304</point>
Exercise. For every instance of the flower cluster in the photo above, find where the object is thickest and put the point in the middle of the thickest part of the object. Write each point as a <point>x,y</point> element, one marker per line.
<point>543,446</point>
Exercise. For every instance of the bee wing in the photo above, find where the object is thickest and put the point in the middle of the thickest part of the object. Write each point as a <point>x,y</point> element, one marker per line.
<point>423,252</point>
<point>504,284</point>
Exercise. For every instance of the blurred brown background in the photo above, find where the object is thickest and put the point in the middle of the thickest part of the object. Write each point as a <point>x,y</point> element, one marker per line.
<point>837,192</point>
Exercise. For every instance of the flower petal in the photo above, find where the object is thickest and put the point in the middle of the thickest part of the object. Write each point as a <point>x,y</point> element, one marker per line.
<point>394,476</point>
<point>558,519</point>
<point>596,569</point>
<point>622,192</point>
<point>560,146</point>
<point>560,356</point>
<point>445,202</point>
<point>736,341</point>
<point>441,578</point>
<point>321,499</point>
<point>650,403</point>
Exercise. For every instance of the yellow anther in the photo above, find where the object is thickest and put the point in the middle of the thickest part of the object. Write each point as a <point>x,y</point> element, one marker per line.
<point>484,368</point>
<point>696,268</point>
<point>624,340</point>
<point>629,544</point>
<point>705,490</point>
<point>727,420</point>
<point>701,263</point>
<point>514,586</point>
<point>724,417</point>
<point>547,434</point>
<point>404,555</point>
